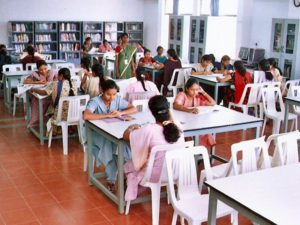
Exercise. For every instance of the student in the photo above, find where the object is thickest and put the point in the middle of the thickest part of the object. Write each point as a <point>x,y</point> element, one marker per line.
<point>276,71</point>
<point>42,76</point>
<point>140,47</point>
<point>141,85</point>
<point>125,55</point>
<point>195,96</point>
<point>5,58</point>
<point>87,46</point>
<point>25,52</point>
<point>119,42</point>
<point>224,67</point>
<point>86,67</point>
<point>105,47</point>
<point>160,57</point>
<point>264,65</point>
<point>203,68</point>
<point>92,86</point>
<point>172,63</point>
<point>63,87</point>
<point>143,138</point>
<point>30,58</point>
<point>108,105</point>
<point>147,59</point>
<point>239,79</point>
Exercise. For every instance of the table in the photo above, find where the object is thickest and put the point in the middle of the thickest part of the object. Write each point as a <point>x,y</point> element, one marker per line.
<point>153,70</point>
<point>8,78</point>
<point>212,81</point>
<point>210,120</point>
<point>95,55</point>
<point>53,61</point>
<point>289,101</point>
<point>268,196</point>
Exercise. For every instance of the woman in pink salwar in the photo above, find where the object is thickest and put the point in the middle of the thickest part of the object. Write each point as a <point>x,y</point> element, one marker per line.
<point>193,97</point>
<point>143,139</point>
<point>42,76</point>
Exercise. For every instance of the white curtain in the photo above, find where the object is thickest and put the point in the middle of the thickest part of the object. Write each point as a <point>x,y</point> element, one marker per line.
<point>214,7</point>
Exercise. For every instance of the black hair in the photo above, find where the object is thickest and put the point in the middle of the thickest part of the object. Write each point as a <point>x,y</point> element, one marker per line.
<point>158,48</point>
<point>109,84</point>
<point>273,63</point>
<point>212,59</point>
<point>88,39</point>
<point>119,37</point>
<point>139,72</point>
<point>30,42</point>
<point>2,46</point>
<point>265,66</point>
<point>173,53</point>
<point>104,41</point>
<point>124,34</point>
<point>86,63</point>
<point>206,58</point>
<point>159,108</point>
<point>146,50</point>
<point>239,67</point>
<point>98,71</point>
<point>41,63</point>
<point>30,51</point>
<point>190,82</point>
<point>67,76</point>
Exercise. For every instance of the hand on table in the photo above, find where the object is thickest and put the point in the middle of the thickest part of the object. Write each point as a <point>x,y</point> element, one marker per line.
<point>114,113</point>
<point>194,110</point>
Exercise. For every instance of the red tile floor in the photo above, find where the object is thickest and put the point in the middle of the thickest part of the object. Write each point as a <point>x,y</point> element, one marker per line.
<point>42,186</point>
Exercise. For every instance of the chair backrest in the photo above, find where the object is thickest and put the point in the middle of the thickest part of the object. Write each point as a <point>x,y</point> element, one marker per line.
<point>258,76</point>
<point>138,56</point>
<point>76,80</point>
<point>288,86</point>
<point>46,57</point>
<point>123,84</point>
<point>12,67</point>
<point>253,90</point>
<point>252,151</point>
<point>141,105</point>
<point>76,105</point>
<point>296,93</point>
<point>181,168</point>
<point>31,67</point>
<point>270,96</point>
<point>178,78</point>
<point>141,95</point>
<point>58,66</point>
<point>171,101</point>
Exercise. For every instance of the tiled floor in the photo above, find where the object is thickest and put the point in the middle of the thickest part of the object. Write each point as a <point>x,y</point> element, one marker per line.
<point>42,186</point>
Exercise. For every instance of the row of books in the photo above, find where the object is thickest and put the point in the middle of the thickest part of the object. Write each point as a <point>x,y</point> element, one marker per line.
<point>45,26</point>
<point>69,47</point>
<point>92,27</point>
<point>20,27</point>
<point>94,37</point>
<point>67,56</point>
<point>21,38</point>
<point>45,47</point>
<point>134,27</point>
<point>111,36</point>
<point>19,47</point>
<point>43,37</point>
<point>68,26</point>
<point>68,37</point>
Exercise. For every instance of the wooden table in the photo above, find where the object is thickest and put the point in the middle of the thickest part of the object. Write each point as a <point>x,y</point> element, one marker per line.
<point>289,101</point>
<point>268,196</point>
<point>210,120</point>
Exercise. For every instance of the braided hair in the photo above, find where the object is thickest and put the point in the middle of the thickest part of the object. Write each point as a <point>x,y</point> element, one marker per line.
<point>139,72</point>
<point>30,51</point>
<point>67,76</point>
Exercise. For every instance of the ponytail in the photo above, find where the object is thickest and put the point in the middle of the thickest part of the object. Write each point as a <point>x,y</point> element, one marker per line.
<point>30,51</point>
<point>97,69</point>
<point>67,76</point>
<point>139,76</point>
<point>239,67</point>
<point>159,108</point>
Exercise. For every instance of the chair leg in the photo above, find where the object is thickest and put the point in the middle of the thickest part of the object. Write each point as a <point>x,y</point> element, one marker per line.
<point>79,133</point>
<point>50,138</point>
<point>235,218</point>
<point>155,196</point>
<point>264,126</point>
<point>64,129</point>
<point>15,105</point>
<point>85,159</point>
<point>127,207</point>
<point>174,218</point>
<point>202,178</point>
<point>276,126</point>
<point>181,220</point>
<point>168,196</point>
<point>261,112</point>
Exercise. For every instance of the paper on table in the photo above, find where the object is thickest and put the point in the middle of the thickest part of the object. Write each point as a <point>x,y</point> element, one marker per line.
<point>93,50</point>
<point>118,119</point>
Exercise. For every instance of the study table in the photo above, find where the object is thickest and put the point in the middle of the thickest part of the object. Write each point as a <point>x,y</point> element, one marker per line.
<point>269,196</point>
<point>95,55</point>
<point>209,120</point>
<point>211,80</point>
<point>152,70</point>
<point>291,100</point>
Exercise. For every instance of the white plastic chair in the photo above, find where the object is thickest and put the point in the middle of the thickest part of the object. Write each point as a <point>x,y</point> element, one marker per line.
<point>178,77</point>
<point>57,66</point>
<point>269,96</point>
<point>163,181</point>
<point>21,96</point>
<point>46,57</point>
<point>141,105</point>
<point>190,204</point>
<point>76,107</point>
<point>12,67</point>
<point>295,91</point>
<point>76,80</point>
<point>123,84</point>
<point>288,86</point>
<point>138,56</point>
<point>141,95</point>
<point>31,67</point>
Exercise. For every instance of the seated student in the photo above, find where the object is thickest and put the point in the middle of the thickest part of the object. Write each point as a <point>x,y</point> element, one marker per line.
<point>63,87</point>
<point>264,65</point>
<point>87,46</point>
<point>30,58</point>
<point>160,57</point>
<point>203,68</point>
<point>140,47</point>
<point>224,67</point>
<point>195,96</point>
<point>42,76</point>
<point>239,79</point>
<point>141,85</point>
<point>143,138</point>
<point>147,59</point>
<point>25,53</point>
<point>91,82</point>
<point>5,58</point>
<point>173,62</point>
<point>108,105</point>
<point>105,47</point>
<point>86,67</point>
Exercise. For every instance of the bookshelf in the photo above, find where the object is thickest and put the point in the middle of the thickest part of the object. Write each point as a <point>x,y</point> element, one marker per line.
<point>93,30</point>
<point>19,33</point>
<point>135,31</point>
<point>70,41</point>
<point>112,31</point>
<point>46,40</point>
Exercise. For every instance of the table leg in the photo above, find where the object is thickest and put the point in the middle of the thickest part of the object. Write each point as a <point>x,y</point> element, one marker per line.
<point>28,111</point>
<point>121,177</point>
<point>212,208</point>
<point>257,132</point>
<point>213,152</point>
<point>90,153</point>
<point>286,116</point>
<point>9,95</point>
<point>216,92</point>
<point>41,123</point>
<point>4,89</point>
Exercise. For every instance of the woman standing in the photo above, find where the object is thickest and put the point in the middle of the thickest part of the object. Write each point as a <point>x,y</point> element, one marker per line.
<point>125,63</point>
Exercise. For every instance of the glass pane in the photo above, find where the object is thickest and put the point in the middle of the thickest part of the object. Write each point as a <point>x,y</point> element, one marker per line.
<point>200,54</point>
<point>193,31</point>
<point>178,50</point>
<point>290,39</point>
<point>172,27</point>
<point>171,46</point>
<point>201,31</point>
<point>277,37</point>
<point>192,55</point>
<point>178,29</point>
<point>287,68</point>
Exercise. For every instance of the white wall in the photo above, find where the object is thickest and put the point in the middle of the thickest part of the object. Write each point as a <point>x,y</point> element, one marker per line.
<point>293,11</point>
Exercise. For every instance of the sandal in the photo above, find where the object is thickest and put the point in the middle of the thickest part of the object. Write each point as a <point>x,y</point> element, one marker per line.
<point>111,186</point>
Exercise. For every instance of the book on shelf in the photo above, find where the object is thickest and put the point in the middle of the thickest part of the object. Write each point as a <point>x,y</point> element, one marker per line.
<point>68,27</point>
<point>17,27</point>
<point>111,27</point>
<point>95,37</point>
<point>45,26</point>
<point>111,36</point>
<point>19,47</point>
<point>21,38</point>
<point>69,47</point>
<point>44,47</point>
<point>43,37</point>
<point>68,37</point>
<point>67,56</point>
